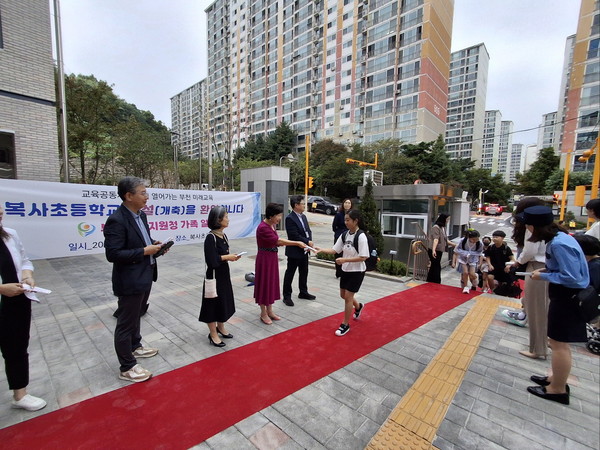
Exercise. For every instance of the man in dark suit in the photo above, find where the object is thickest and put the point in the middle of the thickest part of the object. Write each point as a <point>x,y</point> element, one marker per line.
<point>130,248</point>
<point>297,229</point>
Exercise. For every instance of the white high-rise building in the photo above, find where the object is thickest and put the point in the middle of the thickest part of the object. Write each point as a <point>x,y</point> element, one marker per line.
<point>351,71</point>
<point>505,148</point>
<point>188,121</point>
<point>547,131</point>
<point>516,162</point>
<point>467,88</point>
<point>491,143</point>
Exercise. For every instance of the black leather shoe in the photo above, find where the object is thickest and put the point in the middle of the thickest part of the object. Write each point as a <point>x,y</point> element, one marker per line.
<point>306,296</point>
<point>288,301</point>
<point>220,344</point>
<point>543,381</point>
<point>537,379</point>
<point>226,336</point>
<point>540,391</point>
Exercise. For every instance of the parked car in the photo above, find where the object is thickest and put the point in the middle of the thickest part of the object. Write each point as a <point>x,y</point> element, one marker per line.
<point>321,204</point>
<point>492,209</point>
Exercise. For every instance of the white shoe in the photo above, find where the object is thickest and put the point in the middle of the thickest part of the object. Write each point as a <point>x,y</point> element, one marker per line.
<point>29,402</point>
<point>136,374</point>
<point>145,352</point>
<point>466,290</point>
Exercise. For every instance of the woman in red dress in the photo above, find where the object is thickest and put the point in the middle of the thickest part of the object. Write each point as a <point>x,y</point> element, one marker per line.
<point>266,278</point>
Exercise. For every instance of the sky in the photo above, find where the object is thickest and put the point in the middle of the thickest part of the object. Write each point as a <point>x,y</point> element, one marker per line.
<point>151,50</point>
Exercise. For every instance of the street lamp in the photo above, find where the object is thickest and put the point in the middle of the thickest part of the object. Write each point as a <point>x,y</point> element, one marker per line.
<point>289,157</point>
<point>481,194</point>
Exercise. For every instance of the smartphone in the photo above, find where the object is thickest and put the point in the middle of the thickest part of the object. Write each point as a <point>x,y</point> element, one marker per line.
<point>166,246</point>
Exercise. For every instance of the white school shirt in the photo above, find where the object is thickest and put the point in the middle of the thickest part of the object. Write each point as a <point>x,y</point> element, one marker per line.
<point>348,251</point>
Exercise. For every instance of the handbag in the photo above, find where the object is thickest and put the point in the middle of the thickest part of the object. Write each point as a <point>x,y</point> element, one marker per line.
<point>210,287</point>
<point>210,284</point>
<point>588,302</point>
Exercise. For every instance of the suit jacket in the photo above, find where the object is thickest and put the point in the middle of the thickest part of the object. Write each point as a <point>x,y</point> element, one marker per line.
<point>124,247</point>
<point>295,232</point>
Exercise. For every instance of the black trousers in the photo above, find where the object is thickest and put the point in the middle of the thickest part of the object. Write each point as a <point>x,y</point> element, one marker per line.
<point>292,264</point>
<point>127,331</point>
<point>15,322</point>
<point>435,268</point>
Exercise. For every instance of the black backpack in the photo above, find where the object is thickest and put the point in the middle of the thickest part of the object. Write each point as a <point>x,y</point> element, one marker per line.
<point>371,261</point>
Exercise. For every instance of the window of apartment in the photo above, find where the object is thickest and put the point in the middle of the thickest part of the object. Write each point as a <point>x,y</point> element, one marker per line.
<point>7,155</point>
<point>593,50</point>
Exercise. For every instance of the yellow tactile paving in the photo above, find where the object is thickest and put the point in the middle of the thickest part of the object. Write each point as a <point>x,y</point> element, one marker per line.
<point>415,420</point>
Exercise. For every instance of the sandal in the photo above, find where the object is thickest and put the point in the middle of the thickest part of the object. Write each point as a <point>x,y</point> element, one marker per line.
<point>266,320</point>
<point>531,355</point>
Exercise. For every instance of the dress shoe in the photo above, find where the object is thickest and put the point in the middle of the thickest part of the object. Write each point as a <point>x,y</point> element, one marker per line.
<point>288,301</point>
<point>219,344</point>
<point>543,381</point>
<point>540,391</point>
<point>306,296</point>
<point>226,336</point>
<point>266,320</point>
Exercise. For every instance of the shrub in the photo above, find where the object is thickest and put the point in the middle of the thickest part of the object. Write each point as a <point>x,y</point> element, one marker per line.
<point>325,256</point>
<point>390,267</point>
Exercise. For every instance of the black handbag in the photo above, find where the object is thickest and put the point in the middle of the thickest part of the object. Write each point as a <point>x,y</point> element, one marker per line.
<point>588,301</point>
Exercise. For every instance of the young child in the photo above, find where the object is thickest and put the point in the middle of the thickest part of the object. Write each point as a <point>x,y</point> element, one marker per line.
<point>469,255</point>
<point>353,267</point>
<point>496,257</point>
<point>483,270</point>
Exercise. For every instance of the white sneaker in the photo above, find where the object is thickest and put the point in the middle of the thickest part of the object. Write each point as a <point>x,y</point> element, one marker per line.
<point>137,374</point>
<point>466,290</point>
<point>29,402</point>
<point>145,352</point>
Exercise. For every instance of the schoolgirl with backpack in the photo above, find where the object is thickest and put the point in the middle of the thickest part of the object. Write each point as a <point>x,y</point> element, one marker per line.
<point>468,256</point>
<point>353,266</point>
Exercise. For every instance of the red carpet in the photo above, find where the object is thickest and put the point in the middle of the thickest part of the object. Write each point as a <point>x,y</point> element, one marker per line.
<point>186,406</point>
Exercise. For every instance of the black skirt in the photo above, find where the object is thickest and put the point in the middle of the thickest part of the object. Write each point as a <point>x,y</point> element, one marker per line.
<point>565,323</point>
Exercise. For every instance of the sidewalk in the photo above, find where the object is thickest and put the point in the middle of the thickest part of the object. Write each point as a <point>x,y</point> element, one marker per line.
<point>72,359</point>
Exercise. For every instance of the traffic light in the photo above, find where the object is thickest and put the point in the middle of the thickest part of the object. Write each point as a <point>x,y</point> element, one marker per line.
<point>556,198</point>
<point>310,182</point>
<point>586,155</point>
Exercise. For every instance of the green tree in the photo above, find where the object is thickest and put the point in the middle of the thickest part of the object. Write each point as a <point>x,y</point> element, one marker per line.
<point>556,180</point>
<point>370,218</point>
<point>329,169</point>
<point>91,109</point>
<point>533,181</point>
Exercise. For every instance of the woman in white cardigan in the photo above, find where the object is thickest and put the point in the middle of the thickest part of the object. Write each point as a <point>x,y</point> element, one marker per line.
<point>15,316</point>
<point>531,256</point>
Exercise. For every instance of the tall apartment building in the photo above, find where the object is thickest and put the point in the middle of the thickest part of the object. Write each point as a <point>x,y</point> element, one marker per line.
<point>467,89</point>
<point>491,143</point>
<point>351,71</point>
<point>28,126</point>
<point>505,148</point>
<point>516,162</point>
<point>565,84</point>
<point>583,98</point>
<point>547,131</point>
<point>188,121</point>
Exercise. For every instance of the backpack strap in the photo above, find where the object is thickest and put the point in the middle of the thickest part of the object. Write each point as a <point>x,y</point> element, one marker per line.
<point>358,232</point>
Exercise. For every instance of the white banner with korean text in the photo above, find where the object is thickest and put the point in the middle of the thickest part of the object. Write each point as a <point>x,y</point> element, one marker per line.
<point>62,219</point>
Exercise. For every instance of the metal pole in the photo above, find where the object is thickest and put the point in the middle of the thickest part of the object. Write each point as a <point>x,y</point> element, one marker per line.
<point>62,101</point>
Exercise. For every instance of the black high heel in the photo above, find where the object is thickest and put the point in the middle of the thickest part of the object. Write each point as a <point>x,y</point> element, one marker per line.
<point>226,336</point>
<point>220,344</point>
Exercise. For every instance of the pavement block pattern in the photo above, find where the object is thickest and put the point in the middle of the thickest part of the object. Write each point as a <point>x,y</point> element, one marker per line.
<point>415,420</point>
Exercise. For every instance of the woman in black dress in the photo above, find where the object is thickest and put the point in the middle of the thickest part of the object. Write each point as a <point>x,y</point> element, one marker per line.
<point>216,311</point>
